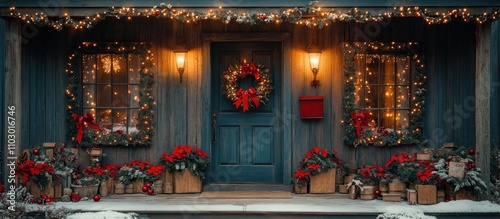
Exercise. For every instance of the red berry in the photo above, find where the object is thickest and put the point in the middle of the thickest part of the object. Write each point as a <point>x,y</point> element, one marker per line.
<point>63,159</point>
<point>36,151</point>
<point>97,198</point>
<point>150,192</point>
<point>39,201</point>
<point>145,188</point>
<point>472,151</point>
<point>69,159</point>
<point>148,185</point>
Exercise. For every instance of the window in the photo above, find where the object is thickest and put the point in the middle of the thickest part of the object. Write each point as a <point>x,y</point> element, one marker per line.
<point>383,87</point>
<point>113,83</point>
<point>110,84</point>
<point>384,93</point>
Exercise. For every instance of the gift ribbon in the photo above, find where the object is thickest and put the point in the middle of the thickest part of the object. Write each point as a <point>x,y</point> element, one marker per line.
<point>81,121</point>
<point>357,183</point>
<point>244,96</point>
<point>360,120</point>
<point>248,69</point>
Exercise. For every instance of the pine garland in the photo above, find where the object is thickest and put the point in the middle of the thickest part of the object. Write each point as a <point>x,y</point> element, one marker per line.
<point>411,134</point>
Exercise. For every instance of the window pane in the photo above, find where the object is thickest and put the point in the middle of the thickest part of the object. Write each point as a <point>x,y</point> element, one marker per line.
<point>371,97</point>
<point>120,96</point>
<point>88,96</point>
<point>372,69</point>
<point>403,70</point>
<point>119,68</point>
<point>387,119</point>
<point>119,119</point>
<point>134,64</point>
<point>402,119</point>
<point>134,95</point>
<point>104,118</point>
<point>104,68</point>
<point>133,121</point>
<point>387,97</point>
<point>88,68</point>
<point>359,65</point>
<point>375,115</point>
<point>358,96</point>
<point>103,95</point>
<point>403,97</point>
<point>387,68</point>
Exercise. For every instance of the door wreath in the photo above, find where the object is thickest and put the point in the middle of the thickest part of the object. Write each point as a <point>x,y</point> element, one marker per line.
<point>253,96</point>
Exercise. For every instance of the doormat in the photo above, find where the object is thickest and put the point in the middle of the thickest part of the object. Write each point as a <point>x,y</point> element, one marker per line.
<point>246,195</point>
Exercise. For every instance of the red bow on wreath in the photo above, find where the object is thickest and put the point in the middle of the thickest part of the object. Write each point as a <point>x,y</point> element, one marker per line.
<point>244,95</point>
<point>360,120</point>
<point>248,69</point>
<point>81,121</point>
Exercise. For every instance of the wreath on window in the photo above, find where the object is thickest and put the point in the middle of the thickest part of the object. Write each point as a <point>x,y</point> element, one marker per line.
<point>253,96</point>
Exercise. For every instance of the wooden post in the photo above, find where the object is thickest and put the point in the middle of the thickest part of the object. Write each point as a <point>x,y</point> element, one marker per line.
<point>12,94</point>
<point>483,89</point>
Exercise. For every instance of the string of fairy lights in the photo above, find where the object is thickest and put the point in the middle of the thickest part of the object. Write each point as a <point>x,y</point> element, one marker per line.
<point>310,15</point>
<point>375,134</point>
<point>81,99</point>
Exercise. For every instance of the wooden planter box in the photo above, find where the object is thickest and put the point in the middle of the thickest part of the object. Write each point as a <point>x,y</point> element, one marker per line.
<point>311,107</point>
<point>186,182</point>
<point>348,178</point>
<point>411,195</point>
<point>368,193</point>
<point>397,186</point>
<point>300,189</point>
<point>427,194</point>
<point>465,195</point>
<point>36,191</point>
<point>323,182</point>
<point>86,191</point>
<point>424,156</point>
<point>343,189</point>
<point>138,184</point>
<point>383,187</point>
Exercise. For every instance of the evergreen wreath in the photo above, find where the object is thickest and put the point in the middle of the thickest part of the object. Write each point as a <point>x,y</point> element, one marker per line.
<point>253,96</point>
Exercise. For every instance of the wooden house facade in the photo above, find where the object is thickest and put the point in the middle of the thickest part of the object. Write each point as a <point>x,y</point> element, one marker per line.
<point>264,144</point>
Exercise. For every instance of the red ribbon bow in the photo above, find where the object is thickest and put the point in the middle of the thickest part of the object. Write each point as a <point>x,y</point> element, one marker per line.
<point>244,95</point>
<point>248,69</point>
<point>81,121</point>
<point>360,120</point>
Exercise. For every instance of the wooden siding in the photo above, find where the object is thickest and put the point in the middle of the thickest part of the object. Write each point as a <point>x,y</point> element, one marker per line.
<point>2,102</point>
<point>495,86</point>
<point>449,53</point>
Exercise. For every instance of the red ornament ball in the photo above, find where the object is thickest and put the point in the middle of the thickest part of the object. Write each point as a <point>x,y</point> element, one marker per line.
<point>447,200</point>
<point>44,196</point>
<point>145,188</point>
<point>148,185</point>
<point>31,201</point>
<point>472,151</point>
<point>473,165</point>
<point>36,151</point>
<point>69,159</point>
<point>377,192</point>
<point>63,159</point>
<point>150,192</point>
<point>157,12</point>
<point>97,198</point>
<point>39,201</point>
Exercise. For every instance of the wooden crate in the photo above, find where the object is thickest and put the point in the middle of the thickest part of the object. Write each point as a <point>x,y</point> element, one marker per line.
<point>441,195</point>
<point>34,189</point>
<point>465,195</point>
<point>391,197</point>
<point>137,186</point>
<point>448,145</point>
<point>383,187</point>
<point>411,195</point>
<point>424,156</point>
<point>323,182</point>
<point>442,151</point>
<point>367,193</point>
<point>457,169</point>
<point>427,194</point>
<point>186,182</point>
<point>339,180</point>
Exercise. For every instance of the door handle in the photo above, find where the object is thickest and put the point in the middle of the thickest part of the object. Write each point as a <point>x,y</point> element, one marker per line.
<point>214,126</point>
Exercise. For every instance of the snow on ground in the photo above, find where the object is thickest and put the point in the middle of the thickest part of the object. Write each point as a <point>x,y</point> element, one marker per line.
<point>404,212</point>
<point>101,215</point>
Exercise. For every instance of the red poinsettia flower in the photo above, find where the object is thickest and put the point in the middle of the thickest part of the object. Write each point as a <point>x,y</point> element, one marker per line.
<point>426,174</point>
<point>300,174</point>
<point>156,170</point>
<point>314,166</point>
<point>112,170</point>
<point>201,153</point>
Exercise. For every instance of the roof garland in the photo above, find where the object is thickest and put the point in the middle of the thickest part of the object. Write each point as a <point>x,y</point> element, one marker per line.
<point>310,15</point>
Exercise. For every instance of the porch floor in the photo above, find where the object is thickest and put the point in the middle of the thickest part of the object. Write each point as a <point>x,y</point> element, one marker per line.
<point>303,205</point>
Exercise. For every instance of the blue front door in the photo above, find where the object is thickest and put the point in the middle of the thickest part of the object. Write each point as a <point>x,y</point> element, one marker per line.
<point>246,146</point>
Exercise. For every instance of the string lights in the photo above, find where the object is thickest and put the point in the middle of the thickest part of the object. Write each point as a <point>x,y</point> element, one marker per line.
<point>143,131</point>
<point>404,133</point>
<point>310,15</point>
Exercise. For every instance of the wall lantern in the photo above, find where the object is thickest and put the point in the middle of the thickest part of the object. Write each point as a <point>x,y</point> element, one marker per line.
<point>180,57</point>
<point>314,57</point>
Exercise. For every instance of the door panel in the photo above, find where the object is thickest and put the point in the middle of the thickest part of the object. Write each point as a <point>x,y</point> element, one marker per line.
<point>247,148</point>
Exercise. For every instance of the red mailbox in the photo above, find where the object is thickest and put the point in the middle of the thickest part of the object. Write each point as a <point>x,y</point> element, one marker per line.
<point>311,107</point>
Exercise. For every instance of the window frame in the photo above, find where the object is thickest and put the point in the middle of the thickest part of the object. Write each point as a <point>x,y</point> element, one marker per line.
<point>411,135</point>
<point>146,105</point>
